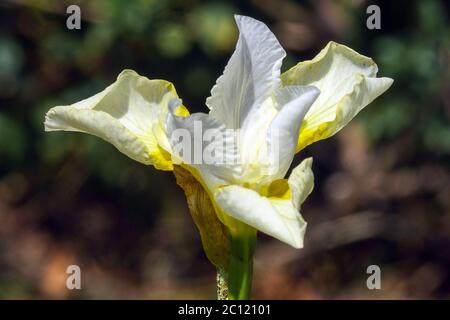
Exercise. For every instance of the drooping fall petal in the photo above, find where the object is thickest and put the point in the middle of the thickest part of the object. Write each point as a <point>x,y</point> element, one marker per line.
<point>130,114</point>
<point>347,82</point>
<point>274,211</point>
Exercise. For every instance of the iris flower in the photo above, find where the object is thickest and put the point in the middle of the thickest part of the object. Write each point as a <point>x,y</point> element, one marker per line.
<point>264,118</point>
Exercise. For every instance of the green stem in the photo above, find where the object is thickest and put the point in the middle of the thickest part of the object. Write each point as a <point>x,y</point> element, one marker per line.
<point>240,268</point>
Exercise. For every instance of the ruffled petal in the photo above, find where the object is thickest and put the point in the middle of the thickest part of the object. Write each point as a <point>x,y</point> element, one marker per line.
<point>301,182</point>
<point>249,77</point>
<point>129,114</point>
<point>241,98</point>
<point>347,82</point>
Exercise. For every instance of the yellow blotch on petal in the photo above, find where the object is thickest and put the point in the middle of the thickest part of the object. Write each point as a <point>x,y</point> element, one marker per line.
<point>347,82</point>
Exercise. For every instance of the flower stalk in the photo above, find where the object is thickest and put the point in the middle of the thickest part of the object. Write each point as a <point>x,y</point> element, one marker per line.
<point>235,281</point>
<point>240,270</point>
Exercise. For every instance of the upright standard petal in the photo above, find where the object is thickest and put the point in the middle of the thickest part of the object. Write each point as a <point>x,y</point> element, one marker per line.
<point>250,76</point>
<point>238,99</point>
<point>282,135</point>
<point>347,82</point>
<point>129,114</point>
<point>202,143</point>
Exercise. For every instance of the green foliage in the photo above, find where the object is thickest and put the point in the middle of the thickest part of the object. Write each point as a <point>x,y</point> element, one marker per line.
<point>13,141</point>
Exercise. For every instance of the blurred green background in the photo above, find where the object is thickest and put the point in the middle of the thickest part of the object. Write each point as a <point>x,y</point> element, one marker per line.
<point>382,192</point>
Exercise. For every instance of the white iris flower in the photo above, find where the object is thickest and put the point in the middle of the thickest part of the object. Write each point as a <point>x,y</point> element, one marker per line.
<point>271,116</point>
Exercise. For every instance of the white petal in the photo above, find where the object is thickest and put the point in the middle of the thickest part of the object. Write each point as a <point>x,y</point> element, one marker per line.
<point>275,217</point>
<point>282,135</point>
<point>128,114</point>
<point>301,182</point>
<point>249,77</point>
<point>189,143</point>
<point>347,82</point>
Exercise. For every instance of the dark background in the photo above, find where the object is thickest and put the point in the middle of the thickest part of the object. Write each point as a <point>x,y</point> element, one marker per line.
<point>382,192</point>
